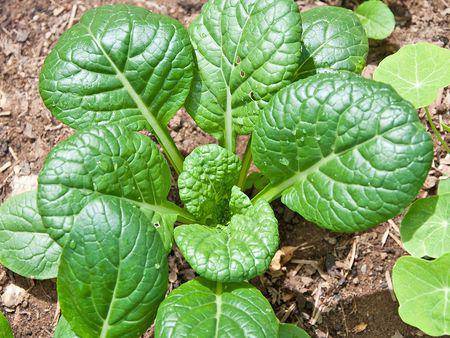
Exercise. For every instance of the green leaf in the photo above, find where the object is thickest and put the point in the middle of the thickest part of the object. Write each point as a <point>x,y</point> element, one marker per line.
<point>63,329</point>
<point>207,309</point>
<point>333,39</point>
<point>424,228</point>
<point>5,329</point>
<point>416,72</point>
<point>344,152</point>
<point>113,272</point>
<point>119,64</point>
<point>209,173</point>
<point>25,246</point>
<point>237,251</point>
<point>377,19</point>
<point>291,331</point>
<point>422,289</point>
<point>164,225</point>
<point>444,186</point>
<point>108,160</point>
<point>246,52</point>
<point>257,180</point>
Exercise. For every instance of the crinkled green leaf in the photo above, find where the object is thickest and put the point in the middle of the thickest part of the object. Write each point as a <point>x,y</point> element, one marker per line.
<point>344,152</point>
<point>25,246</point>
<point>5,329</point>
<point>120,64</point>
<point>416,72</point>
<point>291,331</point>
<point>63,329</point>
<point>237,251</point>
<point>113,272</point>
<point>444,186</point>
<point>425,228</point>
<point>209,173</point>
<point>246,51</point>
<point>108,160</point>
<point>377,19</point>
<point>333,39</point>
<point>422,289</point>
<point>204,309</point>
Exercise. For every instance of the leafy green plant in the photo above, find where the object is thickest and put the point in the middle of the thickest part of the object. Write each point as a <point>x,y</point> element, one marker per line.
<point>345,152</point>
<point>5,329</point>
<point>422,288</point>
<point>417,72</point>
<point>377,19</point>
<point>424,229</point>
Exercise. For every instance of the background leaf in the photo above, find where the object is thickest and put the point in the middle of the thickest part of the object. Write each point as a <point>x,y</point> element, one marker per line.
<point>246,51</point>
<point>424,228</point>
<point>237,251</point>
<point>291,331</point>
<point>63,329</point>
<point>416,72</point>
<point>422,288</point>
<point>5,329</point>
<point>209,173</point>
<point>333,39</point>
<point>206,309</point>
<point>113,272</point>
<point>108,160</point>
<point>376,18</point>
<point>345,152</point>
<point>444,186</point>
<point>25,246</point>
<point>119,64</point>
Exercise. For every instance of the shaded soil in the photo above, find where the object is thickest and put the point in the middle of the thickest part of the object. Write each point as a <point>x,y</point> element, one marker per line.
<point>334,285</point>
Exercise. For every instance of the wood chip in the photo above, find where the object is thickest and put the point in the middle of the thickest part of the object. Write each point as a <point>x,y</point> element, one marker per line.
<point>72,15</point>
<point>385,236</point>
<point>13,153</point>
<point>5,113</point>
<point>390,286</point>
<point>5,166</point>
<point>359,328</point>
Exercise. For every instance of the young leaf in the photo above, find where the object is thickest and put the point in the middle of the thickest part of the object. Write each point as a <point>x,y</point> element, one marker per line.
<point>209,173</point>
<point>333,39</point>
<point>237,251</point>
<point>345,152</point>
<point>444,186</point>
<point>291,331</point>
<point>202,308</point>
<point>63,329</point>
<point>416,72</point>
<point>377,19</point>
<point>424,228</point>
<point>164,224</point>
<point>113,271</point>
<point>422,289</point>
<point>246,51</point>
<point>108,160</point>
<point>120,64</point>
<point>5,329</point>
<point>25,246</point>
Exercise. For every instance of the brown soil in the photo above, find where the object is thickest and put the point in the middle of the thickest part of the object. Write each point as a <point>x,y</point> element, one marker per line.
<point>334,285</point>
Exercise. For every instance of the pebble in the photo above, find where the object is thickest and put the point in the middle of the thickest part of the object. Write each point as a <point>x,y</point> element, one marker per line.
<point>13,295</point>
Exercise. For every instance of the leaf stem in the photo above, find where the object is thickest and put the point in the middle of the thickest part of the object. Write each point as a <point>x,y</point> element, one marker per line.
<point>246,162</point>
<point>269,193</point>
<point>183,216</point>
<point>435,131</point>
<point>228,132</point>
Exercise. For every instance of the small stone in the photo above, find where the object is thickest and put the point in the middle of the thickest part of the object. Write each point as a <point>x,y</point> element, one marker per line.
<point>364,268</point>
<point>355,281</point>
<point>13,295</point>
<point>22,35</point>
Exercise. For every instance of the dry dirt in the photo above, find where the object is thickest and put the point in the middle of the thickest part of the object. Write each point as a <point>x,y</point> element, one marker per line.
<point>333,285</point>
